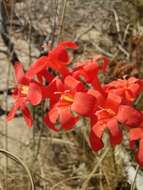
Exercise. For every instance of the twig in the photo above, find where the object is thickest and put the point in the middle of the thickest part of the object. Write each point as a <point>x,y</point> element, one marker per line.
<point>117,24</point>
<point>18,160</point>
<point>6,126</point>
<point>125,34</point>
<point>104,52</point>
<point>134,181</point>
<point>5,33</point>
<point>42,172</point>
<point>71,178</point>
<point>62,19</point>
<point>38,144</point>
<point>83,33</point>
<point>52,37</point>
<point>14,139</point>
<point>4,52</point>
<point>58,141</point>
<point>124,51</point>
<point>85,184</point>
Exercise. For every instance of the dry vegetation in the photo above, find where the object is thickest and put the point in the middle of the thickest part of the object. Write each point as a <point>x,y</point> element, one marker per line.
<point>64,161</point>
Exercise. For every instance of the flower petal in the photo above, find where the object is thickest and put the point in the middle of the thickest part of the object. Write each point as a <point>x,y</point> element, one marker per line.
<point>115,133</point>
<point>58,57</point>
<point>35,93</point>
<point>53,90</point>
<point>139,154</point>
<point>19,101</point>
<point>113,101</point>
<point>37,67</point>
<point>83,103</point>
<point>45,74</point>
<point>51,118</point>
<point>66,119</point>
<point>129,116</point>
<point>12,113</point>
<point>99,128</point>
<point>68,44</point>
<point>95,142</point>
<point>19,72</point>
<point>27,116</point>
<point>72,84</point>
<point>136,134</point>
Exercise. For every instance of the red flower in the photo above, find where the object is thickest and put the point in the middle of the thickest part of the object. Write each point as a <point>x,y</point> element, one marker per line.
<point>72,98</point>
<point>89,70</point>
<point>57,59</point>
<point>129,116</point>
<point>127,89</point>
<point>106,119</point>
<point>27,91</point>
<point>136,135</point>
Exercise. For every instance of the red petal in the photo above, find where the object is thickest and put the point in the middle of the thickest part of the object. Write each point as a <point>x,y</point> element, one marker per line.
<point>44,74</point>
<point>34,94</point>
<point>53,90</point>
<point>100,99</point>
<point>113,101</point>
<point>37,67</point>
<point>134,89</point>
<point>115,133</point>
<point>83,103</point>
<point>19,72</point>
<point>27,116</point>
<point>67,120</point>
<point>96,142</point>
<point>51,118</point>
<point>12,113</point>
<point>132,80</point>
<point>139,154</point>
<point>129,116</point>
<point>91,69</point>
<point>68,44</point>
<point>135,134</point>
<point>103,114</point>
<point>61,115</point>
<point>73,84</point>
<point>58,57</point>
<point>97,85</point>
<point>105,63</point>
<point>99,128</point>
<point>16,106</point>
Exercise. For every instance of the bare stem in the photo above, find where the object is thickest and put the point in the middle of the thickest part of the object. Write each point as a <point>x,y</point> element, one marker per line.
<point>62,19</point>
<point>85,184</point>
<point>18,160</point>
<point>134,181</point>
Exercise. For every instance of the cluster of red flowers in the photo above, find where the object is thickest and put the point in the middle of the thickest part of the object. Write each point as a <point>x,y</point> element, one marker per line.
<point>77,92</point>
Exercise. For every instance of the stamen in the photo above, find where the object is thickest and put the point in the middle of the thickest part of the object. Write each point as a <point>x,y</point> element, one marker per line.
<point>67,98</point>
<point>66,91</point>
<point>24,89</point>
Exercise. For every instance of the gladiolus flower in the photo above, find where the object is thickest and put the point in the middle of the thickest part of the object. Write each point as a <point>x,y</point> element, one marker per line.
<point>136,135</point>
<point>127,89</point>
<point>106,119</point>
<point>27,91</point>
<point>72,99</point>
<point>57,59</point>
<point>89,71</point>
<point>129,116</point>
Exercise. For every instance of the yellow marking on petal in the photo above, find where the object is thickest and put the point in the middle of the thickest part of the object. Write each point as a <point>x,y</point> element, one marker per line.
<point>24,89</point>
<point>110,111</point>
<point>67,98</point>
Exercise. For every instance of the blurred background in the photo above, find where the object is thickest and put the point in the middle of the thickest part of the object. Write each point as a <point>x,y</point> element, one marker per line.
<point>64,160</point>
